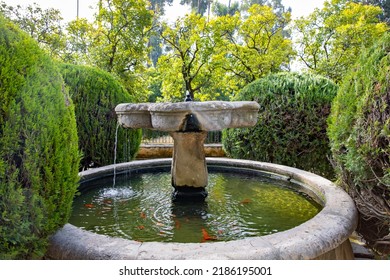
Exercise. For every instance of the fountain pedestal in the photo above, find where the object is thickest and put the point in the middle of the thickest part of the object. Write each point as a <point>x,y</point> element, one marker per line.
<point>189,169</point>
<point>188,124</point>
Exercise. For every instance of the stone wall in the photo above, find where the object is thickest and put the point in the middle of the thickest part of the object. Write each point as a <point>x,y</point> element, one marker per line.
<point>165,151</point>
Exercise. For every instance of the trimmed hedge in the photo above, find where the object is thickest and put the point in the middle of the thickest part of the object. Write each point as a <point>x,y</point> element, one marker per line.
<point>95,94</point>
<point>359,133</point>
<point>39,156</point>
<point>291,128</point>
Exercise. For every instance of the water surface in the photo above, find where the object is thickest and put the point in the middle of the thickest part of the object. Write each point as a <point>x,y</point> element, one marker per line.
<point>139,207</point>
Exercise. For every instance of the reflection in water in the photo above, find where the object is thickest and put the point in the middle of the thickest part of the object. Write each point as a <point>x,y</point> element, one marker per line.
<point>140,207</point>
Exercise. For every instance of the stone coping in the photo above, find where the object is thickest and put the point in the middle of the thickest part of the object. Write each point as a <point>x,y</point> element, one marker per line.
<point>128,108</point>
<point>208,115</point>
<point>325,232</point>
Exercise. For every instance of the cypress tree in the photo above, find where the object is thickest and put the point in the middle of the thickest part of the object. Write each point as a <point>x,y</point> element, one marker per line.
<point>39,155</point>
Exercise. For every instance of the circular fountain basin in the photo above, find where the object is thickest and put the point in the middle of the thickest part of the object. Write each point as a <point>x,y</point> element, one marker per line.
<point>211,115</point>
<point>325,236</point>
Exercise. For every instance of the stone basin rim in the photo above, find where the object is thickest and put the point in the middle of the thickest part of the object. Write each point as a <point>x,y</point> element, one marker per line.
<point>328,229</point>
<point>198,106</point>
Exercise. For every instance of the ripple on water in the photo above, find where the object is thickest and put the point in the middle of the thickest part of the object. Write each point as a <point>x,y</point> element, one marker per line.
<point>140,208</point>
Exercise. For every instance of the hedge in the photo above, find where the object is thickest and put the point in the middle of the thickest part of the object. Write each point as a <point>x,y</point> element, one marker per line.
<point>359,133</point>
<point>291,127</point>
<point>95,94</point>
<point>39,156</point>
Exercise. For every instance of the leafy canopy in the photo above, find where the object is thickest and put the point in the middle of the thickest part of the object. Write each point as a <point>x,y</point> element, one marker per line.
<point>212,59</point>
<point>329,40</point>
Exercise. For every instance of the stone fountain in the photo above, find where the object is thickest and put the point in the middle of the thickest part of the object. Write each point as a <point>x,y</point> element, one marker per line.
<point>325,236</point>
<point>188,124</point>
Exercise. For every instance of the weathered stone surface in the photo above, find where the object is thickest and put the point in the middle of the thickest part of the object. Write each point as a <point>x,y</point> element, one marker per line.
<point>188,123</point>
<point>134,115</point>
<point>189,162</point>
<point>166,151</point>
<point>212,115</point>
<point>244,114</point>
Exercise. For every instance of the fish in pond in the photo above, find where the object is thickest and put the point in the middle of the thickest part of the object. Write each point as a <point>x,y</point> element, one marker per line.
<point>206,236</point>
<point>177,224</point>
<point>246,201</point>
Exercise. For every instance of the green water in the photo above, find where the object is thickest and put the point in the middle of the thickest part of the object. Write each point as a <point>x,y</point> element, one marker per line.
<point>140,208</point>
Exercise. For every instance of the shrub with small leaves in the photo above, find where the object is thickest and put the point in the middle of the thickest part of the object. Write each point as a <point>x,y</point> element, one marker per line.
<point>359,133</point>
<point>291,127</point>
<point>95,94</point>
<point>39,155</point>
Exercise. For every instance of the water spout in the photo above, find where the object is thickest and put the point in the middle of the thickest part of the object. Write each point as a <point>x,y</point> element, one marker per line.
<point>188,97</point>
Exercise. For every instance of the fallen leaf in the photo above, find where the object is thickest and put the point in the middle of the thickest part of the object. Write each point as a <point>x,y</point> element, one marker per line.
<point>88,205</point>
<point>141,227</point>
<point>142,215</point>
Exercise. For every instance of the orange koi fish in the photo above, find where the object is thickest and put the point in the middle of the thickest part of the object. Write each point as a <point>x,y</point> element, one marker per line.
<point>206,236</point>
<point>246,201</point>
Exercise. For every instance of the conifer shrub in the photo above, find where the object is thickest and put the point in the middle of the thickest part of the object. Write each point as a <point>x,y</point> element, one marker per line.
<point>39,155</point>
<point>359,133</point>
<point>291,127</point>
<point>95,94</point>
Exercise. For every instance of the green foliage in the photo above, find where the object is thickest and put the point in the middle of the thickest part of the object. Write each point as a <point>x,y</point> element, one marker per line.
<point>383,4</point>
<point>359,133</point>
<point>220,9</point>
<point>329,40</point>
<point>291,127</point>
<point>119,41</point>
<point>43,25</point>
<point>80,35</point>
<point>39,155</point>
<point>198,6</point>
<point>251,46</point>
<point>116,41</point>
<point>95,94</point>
<point>186,67</point>
<point>212,59</point>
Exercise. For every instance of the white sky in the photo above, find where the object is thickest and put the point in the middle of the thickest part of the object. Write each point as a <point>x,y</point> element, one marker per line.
<point>68,8</point>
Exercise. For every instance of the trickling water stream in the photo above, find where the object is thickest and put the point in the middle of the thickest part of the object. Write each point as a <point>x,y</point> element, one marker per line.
<point>115,153</point>
<point>139,207</point>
